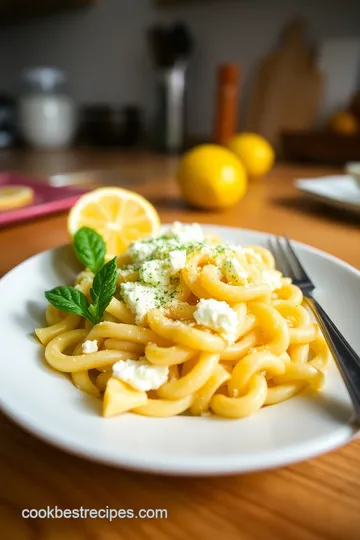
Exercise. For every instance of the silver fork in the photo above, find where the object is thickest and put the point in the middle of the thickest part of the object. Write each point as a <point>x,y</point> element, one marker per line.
<point>346,358</point>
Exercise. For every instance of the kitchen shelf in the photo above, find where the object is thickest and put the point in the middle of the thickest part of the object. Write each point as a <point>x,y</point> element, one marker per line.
<point>321,147</point>
<point>14,11</point>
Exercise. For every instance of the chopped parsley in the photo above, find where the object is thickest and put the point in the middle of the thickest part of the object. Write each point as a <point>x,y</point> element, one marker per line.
<point>158,284</point>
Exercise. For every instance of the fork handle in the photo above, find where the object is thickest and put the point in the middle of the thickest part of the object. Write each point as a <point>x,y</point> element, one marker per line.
<point>345,357</point>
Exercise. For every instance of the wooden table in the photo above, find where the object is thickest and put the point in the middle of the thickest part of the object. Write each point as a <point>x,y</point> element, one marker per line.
<point>317,499</point>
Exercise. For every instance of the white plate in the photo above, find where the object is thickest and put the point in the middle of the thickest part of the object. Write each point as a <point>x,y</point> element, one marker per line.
<point>340,191</point>
<point>48,405</point>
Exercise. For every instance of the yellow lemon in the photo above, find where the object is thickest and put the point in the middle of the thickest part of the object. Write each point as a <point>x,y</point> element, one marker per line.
<point>15,197</point>
<point>256,154</point>
<point>344,123</point>
<point>118,215</point>
<point>211,176</point>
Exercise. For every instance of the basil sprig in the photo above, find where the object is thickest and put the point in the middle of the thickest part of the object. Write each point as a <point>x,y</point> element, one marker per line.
<point>90,249</point>
<point>70,300</point>
<point>103,289</point>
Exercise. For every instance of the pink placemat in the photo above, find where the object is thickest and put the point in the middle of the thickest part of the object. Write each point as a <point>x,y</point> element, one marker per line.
<point>47,199</point>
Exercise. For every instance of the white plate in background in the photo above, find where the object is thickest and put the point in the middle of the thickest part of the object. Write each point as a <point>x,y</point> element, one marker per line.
<point>46,403</point>
<point>340,191</point>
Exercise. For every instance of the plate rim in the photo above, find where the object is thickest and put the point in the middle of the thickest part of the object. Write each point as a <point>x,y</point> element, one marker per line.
<point>204,467</point>
<point>207,466</point>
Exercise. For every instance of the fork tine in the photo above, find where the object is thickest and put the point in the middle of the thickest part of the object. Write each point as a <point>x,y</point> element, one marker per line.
<point>295,263</point>
<point>289,271</point>
<point>279,256</point>
<point>272,247</point>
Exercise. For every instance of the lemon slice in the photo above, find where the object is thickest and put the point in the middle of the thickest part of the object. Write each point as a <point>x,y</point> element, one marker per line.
<point>119,215</point>
<point>15,197</point>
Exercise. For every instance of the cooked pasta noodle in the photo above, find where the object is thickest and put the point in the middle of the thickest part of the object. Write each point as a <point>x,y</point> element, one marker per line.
<point>196,326</point>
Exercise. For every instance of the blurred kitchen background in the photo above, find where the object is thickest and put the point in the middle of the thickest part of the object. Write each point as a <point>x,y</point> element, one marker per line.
<point>123,70</point>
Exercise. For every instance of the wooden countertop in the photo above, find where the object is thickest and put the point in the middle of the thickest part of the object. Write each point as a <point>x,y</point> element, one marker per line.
<point>317,499</point>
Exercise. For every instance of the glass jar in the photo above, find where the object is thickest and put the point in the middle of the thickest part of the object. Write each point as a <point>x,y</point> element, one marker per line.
<point>47,116</point>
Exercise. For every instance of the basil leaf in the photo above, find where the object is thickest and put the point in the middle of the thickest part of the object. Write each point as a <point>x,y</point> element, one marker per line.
<point>70,300</point>
<point>90,248</point>
<point>103,289</point>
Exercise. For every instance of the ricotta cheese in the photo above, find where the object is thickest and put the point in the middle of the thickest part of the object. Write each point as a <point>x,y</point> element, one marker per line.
<point>139,251</point>
<point>141,374</point>
<point>154,273</point>
<point>140,298</point>
<point>186,233</point>
<point>217,316</point>
<point>177,260</point>
<point>90,346</point>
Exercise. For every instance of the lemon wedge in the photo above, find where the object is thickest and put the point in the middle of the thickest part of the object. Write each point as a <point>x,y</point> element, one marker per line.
<point>15,197</point>
<point>118,215</point>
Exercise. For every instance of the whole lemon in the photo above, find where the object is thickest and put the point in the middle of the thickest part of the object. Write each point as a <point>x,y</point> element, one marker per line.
<point>344,123</point>
<point>211,176</point>
<point>256,154</point>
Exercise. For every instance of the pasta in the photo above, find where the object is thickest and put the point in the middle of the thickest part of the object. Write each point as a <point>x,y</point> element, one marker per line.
<point>196,326</point>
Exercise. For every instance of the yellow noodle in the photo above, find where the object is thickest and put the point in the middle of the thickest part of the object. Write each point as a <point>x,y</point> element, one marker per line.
<point>164,407</point>
<point>58,360</point>
<point>70,322</point>
<point>183,334</point>
<point>192,381</point>
<point>204,395</point>
<point>168,356</point>
<point>122,345</point>
<point>53,315</point>
<point>275,350</point>
<point>239,407</point>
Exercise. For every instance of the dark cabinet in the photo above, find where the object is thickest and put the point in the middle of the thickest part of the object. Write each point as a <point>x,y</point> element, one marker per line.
<point>12,11</point>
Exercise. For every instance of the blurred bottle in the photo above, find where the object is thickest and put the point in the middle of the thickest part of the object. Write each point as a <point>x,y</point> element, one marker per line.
<point>171,49</point>
<point>8,135</point>
<point>47,115</point>
<point>226,103</point>
<point>169,122</point>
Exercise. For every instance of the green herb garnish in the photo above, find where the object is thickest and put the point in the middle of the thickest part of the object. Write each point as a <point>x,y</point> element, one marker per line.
<point>90,249</point>
<point>103,289</point>
<point>70,300</point>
